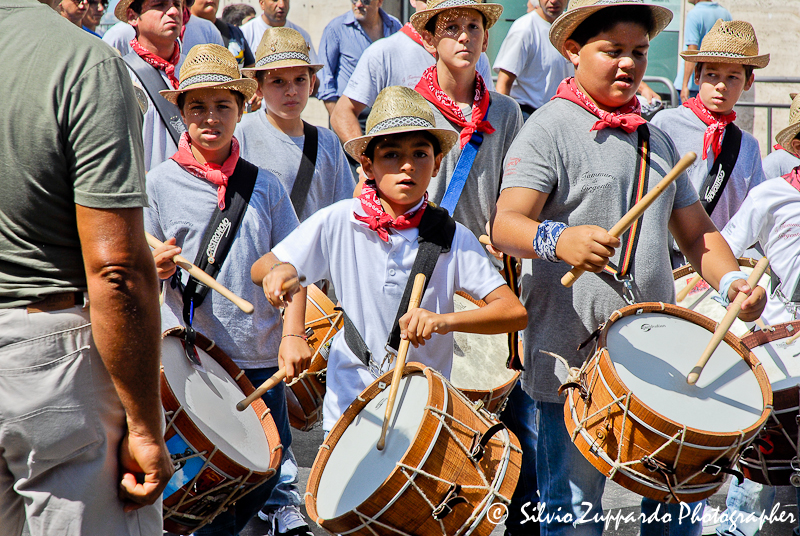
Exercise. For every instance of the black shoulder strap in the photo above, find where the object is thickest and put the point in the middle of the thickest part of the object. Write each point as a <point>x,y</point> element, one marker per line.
<point>717,179</point>
<point>305,172</point>
<point>152,82</point>
<point>436,232</point>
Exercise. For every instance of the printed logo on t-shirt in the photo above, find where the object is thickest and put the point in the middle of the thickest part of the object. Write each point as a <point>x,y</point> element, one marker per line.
<point>595,181</point>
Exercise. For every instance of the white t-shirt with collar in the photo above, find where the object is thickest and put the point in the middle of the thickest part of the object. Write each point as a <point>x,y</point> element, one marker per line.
<point>369,276</point>
<point>770,216</point>
<point>254,29</point>
<point>527,53</point>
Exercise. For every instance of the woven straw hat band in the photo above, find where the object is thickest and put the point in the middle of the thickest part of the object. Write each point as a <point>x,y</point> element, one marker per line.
<point>281,47</point>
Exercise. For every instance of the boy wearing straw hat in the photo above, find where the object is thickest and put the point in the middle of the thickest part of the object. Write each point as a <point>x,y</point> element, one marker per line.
<point>275,139</point>
<point>781,161</point>
<point>574,169</point>
<point>724,171</point>
<point>366,247</point>
<point>185,193</point>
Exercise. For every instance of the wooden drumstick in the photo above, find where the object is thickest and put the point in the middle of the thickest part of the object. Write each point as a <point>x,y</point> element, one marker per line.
<point>793,338</point>
<point>416,297</point>
<point>203,277</point>
<point>273,380</point>
<point>638,209</point>
<point>485,240</point>
<point>688,288</point>
<point>727,321</point>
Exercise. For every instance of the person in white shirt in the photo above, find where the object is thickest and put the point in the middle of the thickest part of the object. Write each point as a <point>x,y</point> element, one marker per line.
<point>529,68</point>
<point>275,15</point>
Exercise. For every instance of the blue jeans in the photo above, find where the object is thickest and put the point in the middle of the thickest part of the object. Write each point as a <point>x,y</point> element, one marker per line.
<point>571,489</point>
<point>520,417</point>
<point>749,498</point>
<point>232,521</point>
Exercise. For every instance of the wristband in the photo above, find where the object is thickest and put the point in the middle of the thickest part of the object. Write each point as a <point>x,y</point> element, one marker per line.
<point>295,335</point>
<point>544,243</point>
<point>725,285</point>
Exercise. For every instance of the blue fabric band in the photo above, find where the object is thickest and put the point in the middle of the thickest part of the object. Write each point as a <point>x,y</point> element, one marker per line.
<point>544,243</point>
<point>725,285</point>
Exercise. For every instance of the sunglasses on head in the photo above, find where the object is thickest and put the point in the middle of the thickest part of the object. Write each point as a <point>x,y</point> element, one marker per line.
<point>365,3</point>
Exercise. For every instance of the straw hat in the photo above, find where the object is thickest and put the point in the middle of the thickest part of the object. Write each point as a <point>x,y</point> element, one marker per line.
<point>211,66</point>
<point>399,109</point>
<point>490,11</point>
<point>785,136</point>
<point>281,47</point>
<point>580,10</point>
<point>729,42</point>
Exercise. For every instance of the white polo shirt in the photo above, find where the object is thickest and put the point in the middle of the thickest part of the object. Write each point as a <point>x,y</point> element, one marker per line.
<point>770,215</point>
<point>370,276</point>
<point>528,54</point>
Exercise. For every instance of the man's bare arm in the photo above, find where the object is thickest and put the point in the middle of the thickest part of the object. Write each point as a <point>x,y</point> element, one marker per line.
<point>504,81</point>
<point>344,118</point>
<point>330,105</point>
<point>123,296</point>
<point>688,73</point>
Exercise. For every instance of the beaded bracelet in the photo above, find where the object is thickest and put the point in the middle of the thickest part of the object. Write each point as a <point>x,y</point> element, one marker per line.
<point>544,243</point>
<point>277,264</point>
<point>295,335</point>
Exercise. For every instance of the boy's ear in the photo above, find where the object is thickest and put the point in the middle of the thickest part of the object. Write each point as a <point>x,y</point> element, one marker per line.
<point>749,83</point>
<point>573,50</point>
<point>313,82</point>
<point>437,162</point>
<point>366,167</point>
<point>795,145</point>
<point>427,40</point>
<point>485,40</point>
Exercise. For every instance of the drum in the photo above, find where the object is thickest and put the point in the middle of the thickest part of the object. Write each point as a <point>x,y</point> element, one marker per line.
<point>479,362</point>
<point>774,460</point>
<point>700,298</point>
<point>447,468</point>
<point>304,395</point>
<point>220,454</point>
<point>632,414</point>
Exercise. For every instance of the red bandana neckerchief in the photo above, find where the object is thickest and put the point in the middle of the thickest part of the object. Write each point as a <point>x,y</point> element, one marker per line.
<point>213,173</point>
<point>413,34</point>
<point>428,87</point>
<point>716,125</point>
<point>793,178</point>
<point>627,117</point>
<point>778,147</point>
<point>168,66</point>
<point>378,220</point>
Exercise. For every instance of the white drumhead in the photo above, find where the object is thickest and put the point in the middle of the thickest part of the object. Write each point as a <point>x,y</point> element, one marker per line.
<point>781,362</point>
<point>700,300</point>
<point>209,399</point>
<point>479,361</point>
<point>653,353</point>
<point>356,468</point>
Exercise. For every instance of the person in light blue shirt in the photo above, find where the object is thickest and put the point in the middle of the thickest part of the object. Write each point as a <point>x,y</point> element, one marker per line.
<point>343,41</point>
<point>698,22</point>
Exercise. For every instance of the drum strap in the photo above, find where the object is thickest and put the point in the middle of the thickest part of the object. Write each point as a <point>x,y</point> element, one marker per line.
<point>514,362</point>
<point>152,82</point>
<point>717,178</point>
<point>308,161</point>
<point>436,232</point>
<point>217,241</point>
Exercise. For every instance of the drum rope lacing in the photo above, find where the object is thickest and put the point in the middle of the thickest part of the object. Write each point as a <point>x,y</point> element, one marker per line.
<point>765,464</point>
<point>673,487</point>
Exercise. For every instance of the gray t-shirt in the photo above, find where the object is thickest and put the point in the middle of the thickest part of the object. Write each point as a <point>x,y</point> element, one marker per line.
<point>270,149</point>
<point>778,163</point>
<point>181,205</point>
<point>479,196</point>
<point>686,130</point>
<point>71,134</point>
<point>589,176</point>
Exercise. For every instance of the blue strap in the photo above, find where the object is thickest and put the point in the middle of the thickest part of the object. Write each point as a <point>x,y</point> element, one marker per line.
<point>463,167</point>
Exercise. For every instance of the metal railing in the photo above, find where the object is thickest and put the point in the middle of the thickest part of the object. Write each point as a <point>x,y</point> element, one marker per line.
<point>674,97</point>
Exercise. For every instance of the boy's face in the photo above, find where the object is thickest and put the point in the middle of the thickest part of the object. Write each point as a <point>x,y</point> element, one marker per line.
<point>211,115</point>
<point>611,65</point>
<point>459,38</point>
<point>721,85</point>
<point>161,20</point>
<point>402,167</point>
<point>286,91</point>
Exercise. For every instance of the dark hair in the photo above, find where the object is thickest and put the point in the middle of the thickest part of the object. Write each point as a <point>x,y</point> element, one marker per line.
<point>430,26</point>
<point>136,6</point>
<point>698,70</point>
<point>181,100</point>
<point>369,152</point>
<point>235,13</point>
<point>606,19</point>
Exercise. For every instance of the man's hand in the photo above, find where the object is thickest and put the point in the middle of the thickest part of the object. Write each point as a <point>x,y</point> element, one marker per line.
<point>587,247</point>
<point>756,300</point>
<point>146,468</point>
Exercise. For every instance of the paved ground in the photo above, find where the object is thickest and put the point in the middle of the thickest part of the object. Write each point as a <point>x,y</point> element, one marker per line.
<point>616,499</point>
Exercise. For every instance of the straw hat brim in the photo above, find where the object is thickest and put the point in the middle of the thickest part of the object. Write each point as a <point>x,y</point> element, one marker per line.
<point>121,11</point>
<point>245,86</point>
<point>447,139</point>
<point>250,72</point>
<point>698,56</point>
<point>492,13</point>
<point>563,27</point>
<point>785,136</point>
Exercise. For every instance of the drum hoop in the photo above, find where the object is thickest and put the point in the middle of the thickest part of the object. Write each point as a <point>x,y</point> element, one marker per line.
<point>734,342</point>
<point>688,269</point>
<point>262,412</point>
<point>771,334</point>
